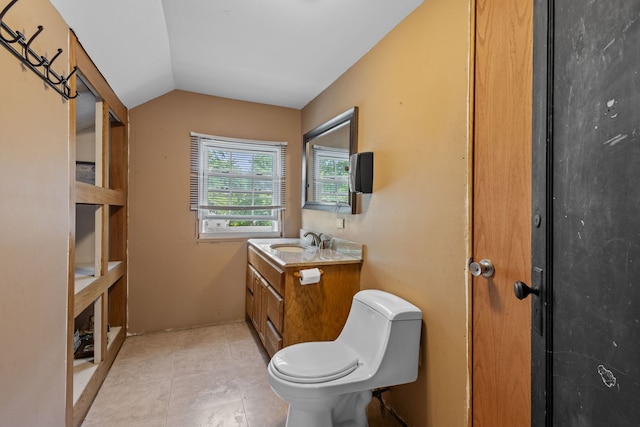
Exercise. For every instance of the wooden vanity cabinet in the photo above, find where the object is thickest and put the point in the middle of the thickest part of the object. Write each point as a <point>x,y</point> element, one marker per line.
<point>264,299</point>
<point>284,312</point>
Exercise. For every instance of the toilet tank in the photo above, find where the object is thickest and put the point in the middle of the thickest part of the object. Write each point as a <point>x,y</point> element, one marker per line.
<point>389,305</point>
<point>385,331</point>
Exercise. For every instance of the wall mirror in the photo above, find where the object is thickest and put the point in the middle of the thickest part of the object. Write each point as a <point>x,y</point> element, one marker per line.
<point>325,164</point>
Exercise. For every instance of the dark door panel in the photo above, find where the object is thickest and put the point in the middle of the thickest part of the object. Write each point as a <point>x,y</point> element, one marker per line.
<point>586,177</point>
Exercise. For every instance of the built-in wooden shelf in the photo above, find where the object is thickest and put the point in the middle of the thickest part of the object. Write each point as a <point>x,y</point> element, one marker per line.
<point>89,287</point>
<point>97,291</point>
<point>84,370</point>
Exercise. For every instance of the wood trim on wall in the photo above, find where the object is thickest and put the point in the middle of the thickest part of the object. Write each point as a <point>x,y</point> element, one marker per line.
<point>96,80</point>
<point>71,245</point>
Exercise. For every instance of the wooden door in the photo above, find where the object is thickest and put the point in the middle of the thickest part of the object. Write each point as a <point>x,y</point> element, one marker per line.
<point>501,212</point>
<point>586,164</point>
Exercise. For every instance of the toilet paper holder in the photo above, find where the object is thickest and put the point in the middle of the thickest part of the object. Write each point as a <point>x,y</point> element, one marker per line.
<point>305,280</point>
<point>297,273</point>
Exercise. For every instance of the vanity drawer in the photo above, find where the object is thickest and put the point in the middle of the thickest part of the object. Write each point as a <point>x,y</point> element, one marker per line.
<point>273,340</point>
<point>273,274</point>
<point>275,308</point>
<point>251,274</point>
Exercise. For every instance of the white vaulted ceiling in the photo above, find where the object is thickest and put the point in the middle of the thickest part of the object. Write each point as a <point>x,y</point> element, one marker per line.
<point>278,52</point>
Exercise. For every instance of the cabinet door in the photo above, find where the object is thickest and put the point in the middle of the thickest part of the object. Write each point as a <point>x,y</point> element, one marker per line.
<point>249,304</point>
<point>264,293</point>
<point>249,292</point>
<point>256,301</point>
<point>253,297</point>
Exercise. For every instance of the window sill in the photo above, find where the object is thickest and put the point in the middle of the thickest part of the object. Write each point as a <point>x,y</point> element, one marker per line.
<point>230,237</point>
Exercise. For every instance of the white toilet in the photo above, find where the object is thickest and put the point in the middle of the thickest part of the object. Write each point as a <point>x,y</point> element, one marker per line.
<point>329,383</point>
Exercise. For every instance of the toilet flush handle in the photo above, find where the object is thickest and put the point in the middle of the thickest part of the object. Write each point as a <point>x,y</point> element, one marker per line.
<point>484,267</point>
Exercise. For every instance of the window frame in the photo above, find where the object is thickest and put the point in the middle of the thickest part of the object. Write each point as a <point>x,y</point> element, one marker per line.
<point>201,145</point>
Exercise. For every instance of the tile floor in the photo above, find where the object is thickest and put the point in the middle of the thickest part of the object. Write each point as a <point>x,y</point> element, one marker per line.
<point>211,376</point>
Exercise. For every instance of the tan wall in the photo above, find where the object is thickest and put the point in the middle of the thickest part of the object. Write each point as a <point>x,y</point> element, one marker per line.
<point>412,90</point>
<point>34,224</point>
<point>174,282</point>
<point>413,93</point>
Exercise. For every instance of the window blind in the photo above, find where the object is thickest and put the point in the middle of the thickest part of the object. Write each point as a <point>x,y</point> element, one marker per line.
<point>229,174</point>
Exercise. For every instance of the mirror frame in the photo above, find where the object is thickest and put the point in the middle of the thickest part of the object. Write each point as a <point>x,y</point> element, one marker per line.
<point>350,116</point>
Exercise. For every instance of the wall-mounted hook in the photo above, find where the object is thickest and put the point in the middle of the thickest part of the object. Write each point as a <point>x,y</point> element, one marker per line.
<point>28,52</point>
<point>67,89</point>
<point>55,56</point>
<point>39,64</point>
<point>47,66</point>
<point>16,36</point>
<point>6,8</point>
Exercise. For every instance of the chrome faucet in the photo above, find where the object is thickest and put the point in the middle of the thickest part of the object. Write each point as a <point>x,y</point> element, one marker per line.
<point>316,240</point>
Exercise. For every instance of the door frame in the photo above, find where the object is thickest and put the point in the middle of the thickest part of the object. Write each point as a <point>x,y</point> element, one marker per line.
<point>541,212</point>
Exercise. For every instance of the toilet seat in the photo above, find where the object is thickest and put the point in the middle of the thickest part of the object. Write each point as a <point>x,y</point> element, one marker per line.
<point>314,362</point>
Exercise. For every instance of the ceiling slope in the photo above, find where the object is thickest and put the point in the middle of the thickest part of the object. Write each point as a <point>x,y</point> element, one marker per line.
<point>277,52</point>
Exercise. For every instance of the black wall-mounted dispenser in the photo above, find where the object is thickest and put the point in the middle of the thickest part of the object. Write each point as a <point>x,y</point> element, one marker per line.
<point>361,172</point>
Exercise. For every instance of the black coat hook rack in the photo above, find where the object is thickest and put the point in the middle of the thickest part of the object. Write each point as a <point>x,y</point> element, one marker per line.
<point>36,63</point>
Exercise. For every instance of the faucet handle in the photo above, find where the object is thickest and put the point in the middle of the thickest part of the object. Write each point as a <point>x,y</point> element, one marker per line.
<point>326,243</point>
<point>315,239</point>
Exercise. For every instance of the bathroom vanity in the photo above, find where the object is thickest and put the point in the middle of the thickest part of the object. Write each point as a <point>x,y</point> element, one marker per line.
<point>284,311</point>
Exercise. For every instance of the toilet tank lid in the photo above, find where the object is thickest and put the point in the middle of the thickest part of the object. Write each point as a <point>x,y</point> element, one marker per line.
<point>389,305</point>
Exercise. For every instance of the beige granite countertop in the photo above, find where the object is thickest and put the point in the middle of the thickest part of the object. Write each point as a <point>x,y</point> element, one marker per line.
<point>341,252</point>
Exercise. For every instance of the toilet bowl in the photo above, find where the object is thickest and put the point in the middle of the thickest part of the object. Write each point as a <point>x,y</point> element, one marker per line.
<point>329,383</point>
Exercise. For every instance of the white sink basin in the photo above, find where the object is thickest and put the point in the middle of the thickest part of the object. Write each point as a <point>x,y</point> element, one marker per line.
<point>289,247</point>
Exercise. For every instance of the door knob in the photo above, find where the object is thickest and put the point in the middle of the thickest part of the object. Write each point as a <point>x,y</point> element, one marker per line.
<point>484,268</point>
<point>522,290</point>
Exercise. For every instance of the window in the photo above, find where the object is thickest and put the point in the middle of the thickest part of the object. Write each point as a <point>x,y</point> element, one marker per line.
<point>237,186</point>
<point>330,174</point>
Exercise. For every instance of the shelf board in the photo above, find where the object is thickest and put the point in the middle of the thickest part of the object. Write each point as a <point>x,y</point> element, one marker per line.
<point>85,369</point>
<point>85,274</point>
<point>93,195</point>
<point>89,287</point>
